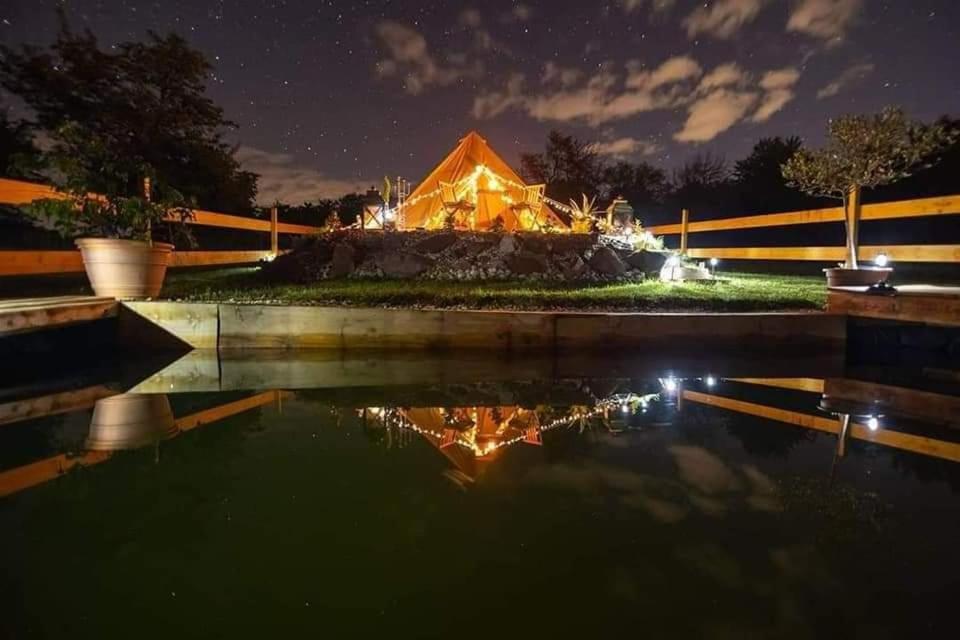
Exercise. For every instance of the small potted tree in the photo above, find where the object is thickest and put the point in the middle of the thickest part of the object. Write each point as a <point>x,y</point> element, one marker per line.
<point>862,152</point>
<point>114,214</point>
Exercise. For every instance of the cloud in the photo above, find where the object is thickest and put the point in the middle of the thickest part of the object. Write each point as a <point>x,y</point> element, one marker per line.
<point>722,76</point>
<point>470,18</point>
<point>603,97</point>
<point>778,86</point>
<point>625,147</point>
<point>851,75</point>
<point>519,13</point>
<point>409,55</point>
<point>493,103</point>
<point>676,69</point>
<point>714,113</point>
<point>657,6</point>
<point>281,179</point>
<point>714,101</point>
<point>564,76</point>
<point>723,18</point>
<point>826,19</point>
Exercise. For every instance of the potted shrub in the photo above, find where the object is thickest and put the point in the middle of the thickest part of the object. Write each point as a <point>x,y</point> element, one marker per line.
<point>115,227</point>
<point>862,152</point>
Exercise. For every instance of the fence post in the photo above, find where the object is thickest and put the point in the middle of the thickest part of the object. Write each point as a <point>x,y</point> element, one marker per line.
<point>274,239</point>
<point>684,230</point>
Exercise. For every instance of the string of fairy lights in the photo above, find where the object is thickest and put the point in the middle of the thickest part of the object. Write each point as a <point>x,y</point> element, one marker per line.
<point>399,420</point>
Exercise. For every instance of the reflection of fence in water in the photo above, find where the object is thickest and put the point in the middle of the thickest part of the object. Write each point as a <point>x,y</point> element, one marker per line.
<point>35,473</point>
<point>32,474</point>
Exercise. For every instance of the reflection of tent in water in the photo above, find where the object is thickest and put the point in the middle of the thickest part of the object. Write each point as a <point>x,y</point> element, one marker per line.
<point>468,435</point>
<point>473,187</point>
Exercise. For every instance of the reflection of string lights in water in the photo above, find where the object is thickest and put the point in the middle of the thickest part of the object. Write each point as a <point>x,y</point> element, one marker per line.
<point>395,418</point>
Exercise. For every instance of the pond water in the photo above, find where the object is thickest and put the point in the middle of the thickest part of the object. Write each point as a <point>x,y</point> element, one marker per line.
<point>290,496</point>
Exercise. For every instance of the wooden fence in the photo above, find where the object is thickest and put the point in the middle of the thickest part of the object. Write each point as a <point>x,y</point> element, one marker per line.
<point>945,205</point>
<point>28,262</point>
<point>31,262</point>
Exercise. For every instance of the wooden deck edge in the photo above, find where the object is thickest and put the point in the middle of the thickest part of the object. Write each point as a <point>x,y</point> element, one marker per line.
<point>19,318</point>
<point>238,326</point>
<point>941,310</point>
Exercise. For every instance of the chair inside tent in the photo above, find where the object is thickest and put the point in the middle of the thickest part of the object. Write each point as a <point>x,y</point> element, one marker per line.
<point>474,186</point>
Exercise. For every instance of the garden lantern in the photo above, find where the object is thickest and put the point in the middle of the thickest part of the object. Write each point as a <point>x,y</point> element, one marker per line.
<point>373,210</point>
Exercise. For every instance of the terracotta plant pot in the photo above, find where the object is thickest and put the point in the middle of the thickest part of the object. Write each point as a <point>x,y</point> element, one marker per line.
<point>125,269</point>
<point>863,277</point>
<point>130,421</point>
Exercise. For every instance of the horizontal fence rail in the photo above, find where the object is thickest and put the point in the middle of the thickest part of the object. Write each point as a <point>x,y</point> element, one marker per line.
<point>29,262</point>
<point>922,207</point>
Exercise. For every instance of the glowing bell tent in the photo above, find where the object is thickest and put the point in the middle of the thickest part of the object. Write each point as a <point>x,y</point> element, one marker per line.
<point>477,186</point>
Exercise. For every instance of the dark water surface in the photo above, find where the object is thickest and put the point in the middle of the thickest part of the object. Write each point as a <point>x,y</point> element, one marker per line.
<point>305,496</point>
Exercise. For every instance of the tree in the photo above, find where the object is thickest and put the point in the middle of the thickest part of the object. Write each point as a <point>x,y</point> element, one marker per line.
<point>759,179</point>
<point>144,101</point>
<point>641,184</point>
<point>19,158</point>
<point>568,166</point>
<point>701,184</point>
<point>862,152</point>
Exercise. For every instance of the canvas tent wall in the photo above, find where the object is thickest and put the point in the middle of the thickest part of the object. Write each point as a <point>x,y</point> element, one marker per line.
<point>425,208</point>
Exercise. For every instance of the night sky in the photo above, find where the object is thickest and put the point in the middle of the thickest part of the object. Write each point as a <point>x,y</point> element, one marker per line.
<point>332,95</point>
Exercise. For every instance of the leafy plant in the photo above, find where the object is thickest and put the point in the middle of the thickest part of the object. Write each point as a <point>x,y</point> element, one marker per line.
<point>583,214</point>
<point>79,163</point>
<point>864,151</point>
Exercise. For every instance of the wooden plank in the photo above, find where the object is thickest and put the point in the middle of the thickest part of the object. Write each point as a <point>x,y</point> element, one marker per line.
<point>205,258</point>
<point>17,192</point>
<point>24,263</point>
<point>922,207</point>
<point>913,403</point>
<point>54,312</point>
<point>30,475</point>
<point>215,414</point>
<point>901,253</point>
<point>696,331</point>
<point>194,324</point>
<point>16,263</point>
<point>53,404</point>
<point>810,385</point>
<point>939,310</point>
<point>894,439</point>
<point>198,371</point>
<point>287,327</point>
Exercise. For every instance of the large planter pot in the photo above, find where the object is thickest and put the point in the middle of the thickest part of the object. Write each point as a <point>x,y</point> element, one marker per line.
<point>125,269</point>
<point>130,421</point>
<point>864,277</point>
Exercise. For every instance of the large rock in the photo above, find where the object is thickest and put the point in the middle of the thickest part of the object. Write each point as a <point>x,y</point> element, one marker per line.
<point>344,260</point>
<point>436,243</point>
<point>646,261</point>
<point>474,248</point>
<point>535,244</point>
<point>606,261</point>
<point>508,245</point>
<point>573,268</point>
<point>524,263</point>
<point>403,264</point>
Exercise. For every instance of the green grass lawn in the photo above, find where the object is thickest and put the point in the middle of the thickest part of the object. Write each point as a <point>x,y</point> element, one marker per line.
<point>736,292</point>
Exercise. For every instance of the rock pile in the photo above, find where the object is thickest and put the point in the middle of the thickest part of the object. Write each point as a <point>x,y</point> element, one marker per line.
<point>460,255</point>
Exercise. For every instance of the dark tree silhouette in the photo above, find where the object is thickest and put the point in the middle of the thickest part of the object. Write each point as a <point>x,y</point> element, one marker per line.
<point>144,102</point>
<point>568,166</point>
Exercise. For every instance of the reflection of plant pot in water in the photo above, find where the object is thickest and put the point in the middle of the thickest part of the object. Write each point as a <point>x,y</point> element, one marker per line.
<point>863,277</point>
<point>130,421</point>
<point>125,269</point>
